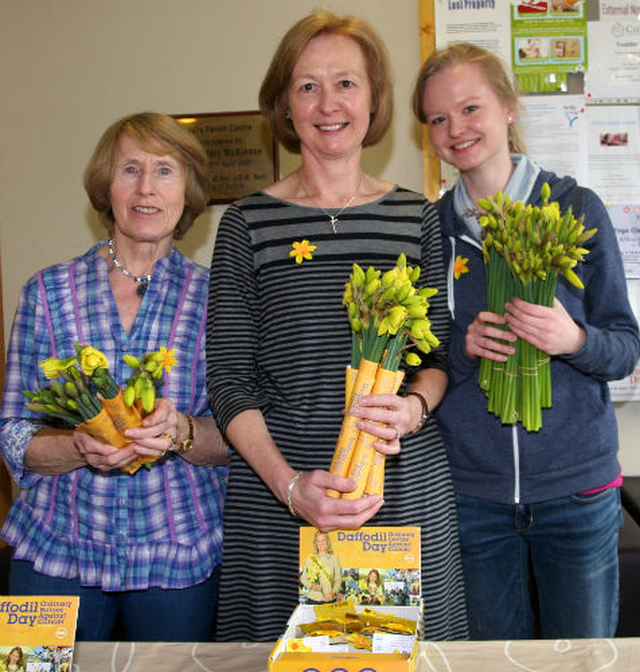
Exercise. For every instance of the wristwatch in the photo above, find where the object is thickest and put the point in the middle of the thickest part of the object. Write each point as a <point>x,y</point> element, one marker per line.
<point>187,444</point>
<point>425,411</point>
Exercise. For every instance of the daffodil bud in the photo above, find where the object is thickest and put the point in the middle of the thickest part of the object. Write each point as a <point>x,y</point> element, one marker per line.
<point>427,292</point>
<point>545,193</point>
<point>371,287</point>
<point>357,276</point>
<point>71,390</point>
<point>412,359</point>
<point>417,310</point>
<point>573,278</point>
<point>129,395</point>
<point>389,278</point>
<point>148,398</point>
<point>131,361</point>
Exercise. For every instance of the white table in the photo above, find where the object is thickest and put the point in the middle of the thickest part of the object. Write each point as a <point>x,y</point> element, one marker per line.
<point>578,655</point>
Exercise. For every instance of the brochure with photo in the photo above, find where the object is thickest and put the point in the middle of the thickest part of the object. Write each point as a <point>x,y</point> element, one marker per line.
<point>37,632</point>
<point>378,566</point>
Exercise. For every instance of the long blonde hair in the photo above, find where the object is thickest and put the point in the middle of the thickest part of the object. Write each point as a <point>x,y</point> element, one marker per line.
<point>494,71</point>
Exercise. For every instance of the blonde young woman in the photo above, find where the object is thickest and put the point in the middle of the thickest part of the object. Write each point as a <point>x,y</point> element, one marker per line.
<point>537,510</point>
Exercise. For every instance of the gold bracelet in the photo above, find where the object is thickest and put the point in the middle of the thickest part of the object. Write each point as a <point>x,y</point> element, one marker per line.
<point>292,483</point>
<point>187,444</point>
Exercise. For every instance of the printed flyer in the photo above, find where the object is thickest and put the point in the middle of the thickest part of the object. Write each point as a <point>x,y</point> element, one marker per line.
<point>549,40</point>
<point>37,633</point>
<point>373,565</point>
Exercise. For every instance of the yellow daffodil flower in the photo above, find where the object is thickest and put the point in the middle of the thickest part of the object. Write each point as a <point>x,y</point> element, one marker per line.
<point>302,250</point>
<point>168,359</point>
<point>53,367</point>
<point>460,266</point>
<point>92,359</point>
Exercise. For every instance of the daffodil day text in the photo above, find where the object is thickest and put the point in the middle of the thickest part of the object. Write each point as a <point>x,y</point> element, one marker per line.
<point>380,542</point>
<point>33,613</point>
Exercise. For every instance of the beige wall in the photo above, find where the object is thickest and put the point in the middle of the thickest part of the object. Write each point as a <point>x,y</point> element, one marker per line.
<point>68,68</point>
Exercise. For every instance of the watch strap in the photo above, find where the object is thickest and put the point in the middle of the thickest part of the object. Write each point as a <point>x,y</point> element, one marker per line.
<point>425,411</point>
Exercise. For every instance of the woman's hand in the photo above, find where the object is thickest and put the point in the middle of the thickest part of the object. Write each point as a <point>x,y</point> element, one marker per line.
<point>102,456</point>
<point>158,431</point>
<point>480,340</point>
<point>311,502</point>
<point>551,329</point>
<point>397,415</point>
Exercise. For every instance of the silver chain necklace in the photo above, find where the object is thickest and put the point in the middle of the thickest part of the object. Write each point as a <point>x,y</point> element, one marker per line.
<point>142,280</point>
<point>334,218</point>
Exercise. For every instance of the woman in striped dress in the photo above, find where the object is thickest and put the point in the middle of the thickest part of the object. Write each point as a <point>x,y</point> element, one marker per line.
<point>278,339</point>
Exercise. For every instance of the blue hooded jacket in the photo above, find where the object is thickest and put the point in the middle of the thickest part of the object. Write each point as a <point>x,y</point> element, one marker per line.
<point>576,449</point>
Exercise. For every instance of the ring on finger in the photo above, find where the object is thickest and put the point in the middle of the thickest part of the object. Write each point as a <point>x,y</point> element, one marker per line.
<point>172,439</point>
<point>397,436</point>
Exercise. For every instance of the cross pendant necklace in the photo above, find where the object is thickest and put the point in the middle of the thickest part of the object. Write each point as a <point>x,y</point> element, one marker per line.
<point>333,219</point>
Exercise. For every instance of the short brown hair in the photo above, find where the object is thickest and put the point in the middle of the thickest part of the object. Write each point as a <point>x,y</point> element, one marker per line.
<point>273,92</point>
<point>491,66</point>
<point>159,134</point>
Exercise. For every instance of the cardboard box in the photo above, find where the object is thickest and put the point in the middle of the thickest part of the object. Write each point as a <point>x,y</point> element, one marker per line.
<point>352,660</point>
<point>374,568</point>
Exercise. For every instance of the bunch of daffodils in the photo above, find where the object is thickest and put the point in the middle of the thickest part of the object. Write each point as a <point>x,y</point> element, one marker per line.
<point>388,317</point>
<point>83,393</point>
<point>525,249</point>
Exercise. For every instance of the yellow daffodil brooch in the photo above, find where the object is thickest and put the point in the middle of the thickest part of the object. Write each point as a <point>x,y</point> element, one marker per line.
<point>460,266</point>
<point>302,250</point>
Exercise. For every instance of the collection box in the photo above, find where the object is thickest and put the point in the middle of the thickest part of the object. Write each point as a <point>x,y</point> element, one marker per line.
<point>351,580</point>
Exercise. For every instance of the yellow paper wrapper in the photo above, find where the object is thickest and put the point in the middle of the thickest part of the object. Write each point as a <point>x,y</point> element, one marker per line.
<point>348,436</point>
<point>102,428</point>
<point>124,417</point>
<point>349,381</point>
<point>364,451</point>
<point>375,481</point>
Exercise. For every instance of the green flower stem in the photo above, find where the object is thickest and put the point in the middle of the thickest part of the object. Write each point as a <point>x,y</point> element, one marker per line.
<point>356,350</point>
<point>393,356</point>
<point>105,383</point>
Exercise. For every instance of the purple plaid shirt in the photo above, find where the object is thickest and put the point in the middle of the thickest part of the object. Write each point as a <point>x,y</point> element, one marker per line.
<point>161,527</point>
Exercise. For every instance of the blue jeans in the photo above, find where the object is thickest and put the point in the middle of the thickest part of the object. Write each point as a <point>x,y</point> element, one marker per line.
<point>156,614</point>
<point>548,569</point>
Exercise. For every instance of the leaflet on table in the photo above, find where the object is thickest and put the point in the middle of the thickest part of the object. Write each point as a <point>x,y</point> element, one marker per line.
<point>37,632</point>
<point>377,565</point>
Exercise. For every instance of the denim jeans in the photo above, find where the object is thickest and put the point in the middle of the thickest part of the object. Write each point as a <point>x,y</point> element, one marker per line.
<point>548,569</point>
<point>156,614</point>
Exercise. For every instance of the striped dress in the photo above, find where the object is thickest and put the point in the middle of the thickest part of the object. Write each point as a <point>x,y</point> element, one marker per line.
<point>278,340</point>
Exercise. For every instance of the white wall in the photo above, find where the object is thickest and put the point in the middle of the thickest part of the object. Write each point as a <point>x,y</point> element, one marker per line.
<point>69,68</point>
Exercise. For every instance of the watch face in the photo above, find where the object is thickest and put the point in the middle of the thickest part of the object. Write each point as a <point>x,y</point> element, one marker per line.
<point>187,445</point>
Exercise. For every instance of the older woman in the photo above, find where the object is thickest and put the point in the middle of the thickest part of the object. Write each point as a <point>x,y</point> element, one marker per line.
<point>145,547</point>
<point>279,340</point>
